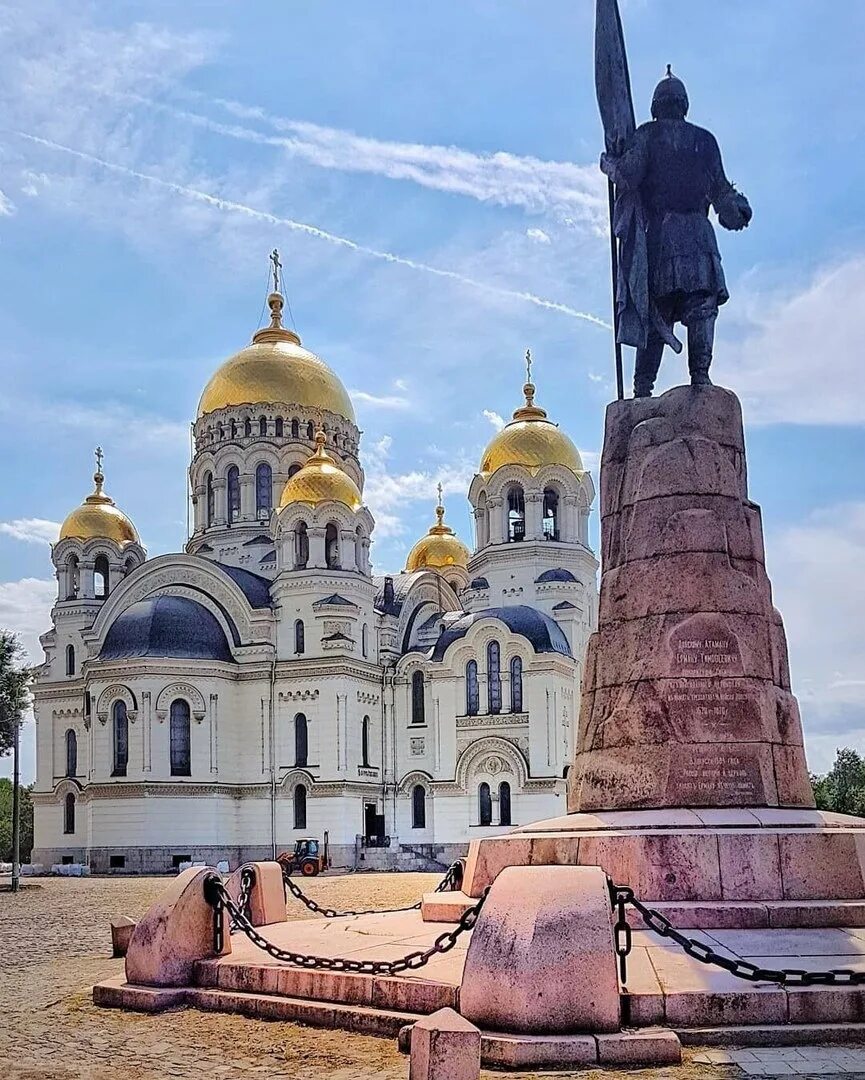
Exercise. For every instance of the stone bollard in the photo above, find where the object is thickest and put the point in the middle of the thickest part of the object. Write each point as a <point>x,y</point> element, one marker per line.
<point>121,934</point>
<point>444,1046</point>
<point>267,895</point>
<point>541,959</point>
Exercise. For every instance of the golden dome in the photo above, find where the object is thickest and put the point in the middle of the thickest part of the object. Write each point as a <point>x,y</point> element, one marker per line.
<point>98,517</point>
<point>321,480</point>
<point>276,369</point>
<point>531,440</point>
<point>439,549</point>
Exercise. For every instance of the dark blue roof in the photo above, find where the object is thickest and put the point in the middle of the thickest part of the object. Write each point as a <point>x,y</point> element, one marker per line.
<point>543,632</point>
<point>555,575</point>
<point>564,605</point>
<point>173,626</point>
<point>334,600</point>
<point>479,583</point>
<point>255,588</point>
<point>401,585</point>
<point>258,541</point>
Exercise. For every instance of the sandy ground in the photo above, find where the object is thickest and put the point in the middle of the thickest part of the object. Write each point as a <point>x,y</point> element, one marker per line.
<point>55,942</point>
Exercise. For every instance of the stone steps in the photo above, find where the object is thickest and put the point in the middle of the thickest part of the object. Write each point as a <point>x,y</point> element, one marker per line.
<point>773,1035</point>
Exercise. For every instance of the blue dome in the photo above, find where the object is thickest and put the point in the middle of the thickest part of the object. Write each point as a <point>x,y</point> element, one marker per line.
<point>171,626</point>
<point>544,634</point>
<point>479,583</point>
<point>555,575</point>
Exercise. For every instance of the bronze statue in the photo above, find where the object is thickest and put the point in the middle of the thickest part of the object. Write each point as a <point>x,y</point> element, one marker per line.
<point>665,175</point>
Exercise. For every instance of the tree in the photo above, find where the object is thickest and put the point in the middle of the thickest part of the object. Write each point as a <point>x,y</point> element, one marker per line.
<point>14,679</point>
<point>842,789</point>
<point>6,821</point>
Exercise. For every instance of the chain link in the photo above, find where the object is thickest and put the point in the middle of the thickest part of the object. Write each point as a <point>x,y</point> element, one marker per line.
<point>447,884</point>
<point>247,880</point>
<point>742,969</point>
<point>217,895</point>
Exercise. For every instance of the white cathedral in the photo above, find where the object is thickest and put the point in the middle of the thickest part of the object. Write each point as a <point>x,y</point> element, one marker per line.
<point>264,685</point>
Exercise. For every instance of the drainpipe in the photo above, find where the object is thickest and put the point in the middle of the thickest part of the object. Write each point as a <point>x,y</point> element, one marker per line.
<point>272,724</point>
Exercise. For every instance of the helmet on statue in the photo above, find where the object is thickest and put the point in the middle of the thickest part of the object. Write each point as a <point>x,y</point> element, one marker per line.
<point>670,100</point>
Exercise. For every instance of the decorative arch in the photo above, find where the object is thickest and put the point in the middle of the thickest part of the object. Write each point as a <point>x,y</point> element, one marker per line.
<point>294,777</point>
<point>191,694</point>
<point>116,692</point>
<point>68,785</point>
<point>499,759</point>
<point>412,779</point>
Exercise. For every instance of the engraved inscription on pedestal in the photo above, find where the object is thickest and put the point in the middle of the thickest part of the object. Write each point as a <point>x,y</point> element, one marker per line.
<point>703,646</point>
<point>715,776</point>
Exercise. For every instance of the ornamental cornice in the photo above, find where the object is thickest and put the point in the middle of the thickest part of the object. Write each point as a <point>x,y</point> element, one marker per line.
<point>498,720</point>
<point>44,691</point>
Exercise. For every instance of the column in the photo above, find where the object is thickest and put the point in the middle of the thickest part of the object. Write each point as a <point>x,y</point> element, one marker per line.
<point>497,523</point>
<point>146,732</point>
<point>214,733</point>
<point>86,587</point>
<point>315,534</point>
<point>347,553</point>
<point>534,515</point>
<point>247,497</point>
<point>220,499</point>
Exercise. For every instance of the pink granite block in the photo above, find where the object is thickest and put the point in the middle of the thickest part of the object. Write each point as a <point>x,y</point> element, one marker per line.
<point>791,769</point>
<point>445,1046</point>
<point>826,1004</point>
<point>176,931</point>
<point>248,978</point>
<point>445,907</point>
<point>487,858</point>
<point>116,993</point>
<point>788,945</point>
<point>505,1051</point>
<point>659,866</point>
<point>640,1049</point>
<point>724,914</point>
<point>816,913</point>
<point>822,866</point>
<point>267,896</point>
<point>644,999</point>
<point>683,466</point>
<point>541,957</point>
<point>413,995</point>
<point>121,934</point>
<point>750,865</point>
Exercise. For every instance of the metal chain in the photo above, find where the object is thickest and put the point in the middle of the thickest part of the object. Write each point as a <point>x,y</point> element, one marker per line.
<point>247,880</point>
<point>217,895</point>
<point>742,969</point>
<point>446,884</point>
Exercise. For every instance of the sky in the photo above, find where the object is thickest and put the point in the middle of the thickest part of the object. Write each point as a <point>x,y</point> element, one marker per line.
<point>429,174</point>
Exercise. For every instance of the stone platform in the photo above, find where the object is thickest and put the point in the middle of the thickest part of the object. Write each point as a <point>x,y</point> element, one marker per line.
<point>665,988</point>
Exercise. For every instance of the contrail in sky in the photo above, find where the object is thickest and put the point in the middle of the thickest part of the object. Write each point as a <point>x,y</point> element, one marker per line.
<point>229,206</point>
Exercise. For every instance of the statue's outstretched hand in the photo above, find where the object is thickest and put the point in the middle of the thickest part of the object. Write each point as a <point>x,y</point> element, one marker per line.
<point>734,211</point>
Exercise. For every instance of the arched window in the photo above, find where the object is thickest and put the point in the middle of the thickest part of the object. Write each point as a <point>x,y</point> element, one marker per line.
<point>504,803</point>
<point>179,739</point>
<point>331,547</point>
<point>364,742</point>
<point>70,659</point>
<point>100,577</point>
<point>128,566</point>
<point>295,428</point>
<point>418,807</point>
<point>292,469</point>
<point>262,425</point>
<point>473,697</point>
<point>417,698</point>
<point>210,500</point>
<point>516,684</point>
<point>301,741</point>
<point>494,678</point>
<point>120,728</point>
<point>301,546</point>
<point>278,427</point>
<point>72,578</point>
<point>71,753</point>
<point>247,427</point>
<point>310,431</point>
<point>516,514</point>
<point>485,804</point>
<point>233,429</point>
<point>69,814</point>
<point>300,807</point>
<point>263,490</point>
<point>299,636</point>
<point>232,478</point>
<point>551,514</point>
<point>364,640</point>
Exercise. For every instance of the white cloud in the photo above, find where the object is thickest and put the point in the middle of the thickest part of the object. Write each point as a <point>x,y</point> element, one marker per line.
<point>799,360</point>
<point>25,608</point>
<point>497,421</point>
<point>380,401</point>
<point>818,574</point>
<point>538,235</point>
<point>110,418</point>
<point>7,207</point>
<point>31,530</point>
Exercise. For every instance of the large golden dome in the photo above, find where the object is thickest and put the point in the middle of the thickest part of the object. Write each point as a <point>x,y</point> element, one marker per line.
<point>276,369</point>
<point>439,549</point>
<point>531,440</point>
<point>321,480</point>
<point>98,517</point>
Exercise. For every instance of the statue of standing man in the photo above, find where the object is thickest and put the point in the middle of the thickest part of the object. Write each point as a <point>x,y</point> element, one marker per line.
<point>667,173</point>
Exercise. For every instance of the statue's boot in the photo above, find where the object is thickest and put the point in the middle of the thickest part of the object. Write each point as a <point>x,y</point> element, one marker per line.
<point>647,366</point>
<point>701,338</point>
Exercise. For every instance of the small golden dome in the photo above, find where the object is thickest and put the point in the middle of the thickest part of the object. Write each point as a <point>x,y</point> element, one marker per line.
<point>321,480</point>
<point>98,517</point>
<point>439,549</point>
<point>531,440</point>
<point>276,369</point>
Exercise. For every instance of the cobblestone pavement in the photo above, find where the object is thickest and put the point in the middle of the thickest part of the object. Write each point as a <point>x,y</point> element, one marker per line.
<point>55,943</point>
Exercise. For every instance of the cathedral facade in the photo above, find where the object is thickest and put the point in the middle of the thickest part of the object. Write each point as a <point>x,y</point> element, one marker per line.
<point>265,685</point>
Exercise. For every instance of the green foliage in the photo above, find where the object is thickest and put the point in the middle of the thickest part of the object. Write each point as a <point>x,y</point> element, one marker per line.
<point>14,679</point>
<point>6,822</point>
<point>843,788</point>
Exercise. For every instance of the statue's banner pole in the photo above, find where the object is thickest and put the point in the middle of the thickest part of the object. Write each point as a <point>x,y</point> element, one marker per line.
<point>613,86</point>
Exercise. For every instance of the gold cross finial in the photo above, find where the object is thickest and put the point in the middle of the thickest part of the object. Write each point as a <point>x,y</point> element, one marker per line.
<point>277,266</point>
<point>99,457</point>
<point>440,489</point>
<point>528,365</point>
<point>440,509</point>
